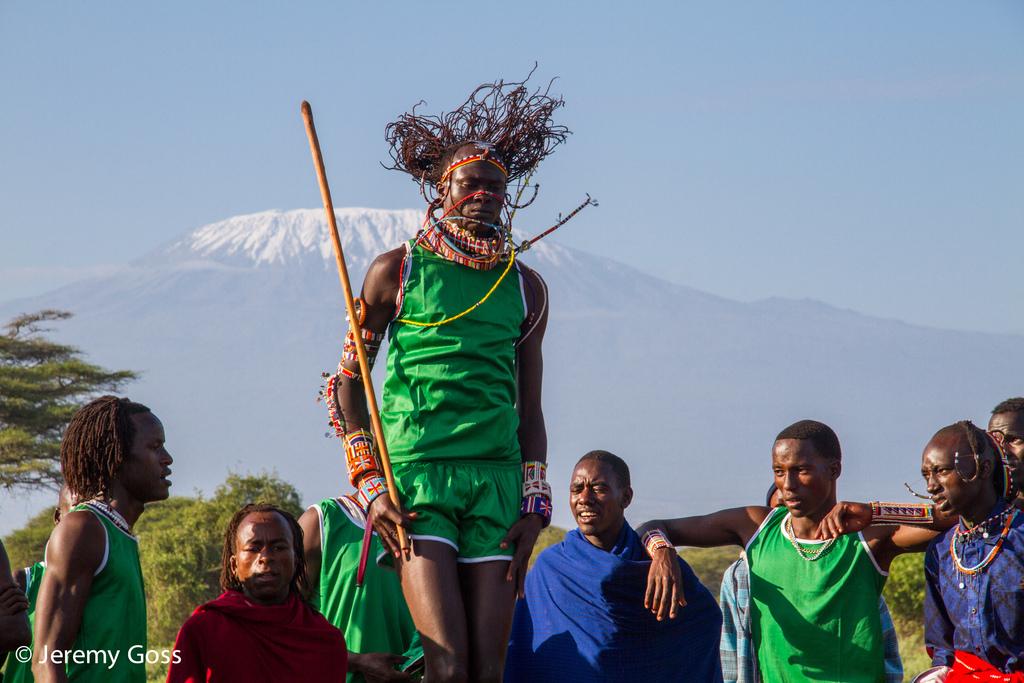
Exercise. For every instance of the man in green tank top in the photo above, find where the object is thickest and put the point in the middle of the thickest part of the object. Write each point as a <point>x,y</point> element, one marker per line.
<point>814,603</point>
<point>461,404</point>
<point>29,580</point>
<point>90,619</point>
<point>379,632</point>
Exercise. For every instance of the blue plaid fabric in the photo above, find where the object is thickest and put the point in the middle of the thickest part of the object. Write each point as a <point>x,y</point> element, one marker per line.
<point>736,647</point>
<point>986,617</point>
<point>739,658</point>
<point>893,663</point>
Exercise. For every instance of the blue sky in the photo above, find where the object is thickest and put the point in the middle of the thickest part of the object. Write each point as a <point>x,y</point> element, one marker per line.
<point>864,154</point>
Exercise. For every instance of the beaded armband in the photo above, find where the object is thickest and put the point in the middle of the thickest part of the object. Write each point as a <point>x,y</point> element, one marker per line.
<point>655,539</point>
<point>360,457</point>
<point>902,513</point>
<point>537,504</point>
<point>535,479</point>
<point>330,398</point>
<point>371,341</point>
<point>371,488</point>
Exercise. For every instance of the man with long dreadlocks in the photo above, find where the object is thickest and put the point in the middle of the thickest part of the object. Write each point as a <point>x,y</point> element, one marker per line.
<point>974,570</point>
<point>461,408</point>
<point>91,609</point>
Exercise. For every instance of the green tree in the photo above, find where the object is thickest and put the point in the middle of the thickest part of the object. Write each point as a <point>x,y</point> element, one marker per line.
<point>26,545</point>
<point>180,543</point>
<point>710,563</point>
<point>42,384</point>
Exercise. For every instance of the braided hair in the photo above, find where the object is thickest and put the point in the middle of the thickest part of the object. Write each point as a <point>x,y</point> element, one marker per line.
<point>97,443</point>
<point>514,123</point>
<point>228,580</point>
<point>981,443</point>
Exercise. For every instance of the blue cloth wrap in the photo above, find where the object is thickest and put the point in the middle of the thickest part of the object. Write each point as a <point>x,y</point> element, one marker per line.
<point>583,619</point>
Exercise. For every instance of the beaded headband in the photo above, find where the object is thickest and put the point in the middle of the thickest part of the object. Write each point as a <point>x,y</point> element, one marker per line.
<point>485,155</point>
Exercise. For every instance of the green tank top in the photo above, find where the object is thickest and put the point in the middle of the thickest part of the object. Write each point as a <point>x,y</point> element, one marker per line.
<point>814,620</point>
<point>450,391</point>
<point>115,614</point>
<point>373,618</point>
<point>16,671</point>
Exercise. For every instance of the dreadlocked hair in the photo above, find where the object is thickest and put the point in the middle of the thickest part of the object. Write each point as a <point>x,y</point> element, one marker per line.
<point>96,444</point>
<point>228,580</point>
<point>1010,405</point>
<point>507,116</point>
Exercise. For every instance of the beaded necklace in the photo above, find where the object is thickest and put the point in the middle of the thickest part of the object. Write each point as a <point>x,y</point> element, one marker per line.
<point>457,244</point>
<point>110,513</point>
<point>981,566</point>
<point>806,555</point>
<point>981,529</point>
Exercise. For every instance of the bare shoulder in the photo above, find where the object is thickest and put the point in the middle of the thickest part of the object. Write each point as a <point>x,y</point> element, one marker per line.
<point>382,277</point>
<point>757,513</point>
<point>309,521</point>
<point>388,261</point>
<point>535,294</point>
<point>78,540</point>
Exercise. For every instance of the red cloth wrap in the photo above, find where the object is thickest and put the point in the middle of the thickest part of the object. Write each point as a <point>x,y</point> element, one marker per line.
<point>231,639</point>
<point>970,669</point>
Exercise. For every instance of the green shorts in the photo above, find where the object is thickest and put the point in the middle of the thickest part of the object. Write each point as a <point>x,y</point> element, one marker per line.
<point>468,506</point>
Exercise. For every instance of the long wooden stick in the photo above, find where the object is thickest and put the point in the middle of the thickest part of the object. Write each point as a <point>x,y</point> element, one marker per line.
<point>346,286</point>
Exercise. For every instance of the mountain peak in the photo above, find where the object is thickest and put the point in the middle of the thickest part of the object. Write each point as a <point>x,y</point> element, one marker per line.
<point>277,238</point>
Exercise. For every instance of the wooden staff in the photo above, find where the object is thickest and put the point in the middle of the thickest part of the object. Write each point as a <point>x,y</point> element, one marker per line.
<point>364,365</point>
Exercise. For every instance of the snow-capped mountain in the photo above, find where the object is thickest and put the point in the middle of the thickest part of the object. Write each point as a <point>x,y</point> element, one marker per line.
<point>231,325</point>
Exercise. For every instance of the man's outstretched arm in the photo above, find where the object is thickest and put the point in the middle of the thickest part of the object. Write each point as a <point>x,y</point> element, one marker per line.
<point>735,526</point>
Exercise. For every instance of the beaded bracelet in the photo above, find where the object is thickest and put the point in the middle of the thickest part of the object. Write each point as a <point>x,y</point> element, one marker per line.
<point>371,488</point>
<point>655,539</point>
<point>535,479</point>
<point>360,458</point>
<point>537,505</point>
<point>902,513</point>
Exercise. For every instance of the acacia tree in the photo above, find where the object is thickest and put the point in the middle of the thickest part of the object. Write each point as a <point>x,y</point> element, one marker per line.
<point>42,384</point>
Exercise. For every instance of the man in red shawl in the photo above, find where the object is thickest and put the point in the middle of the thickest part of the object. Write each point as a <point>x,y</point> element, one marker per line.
<point>261,628</point>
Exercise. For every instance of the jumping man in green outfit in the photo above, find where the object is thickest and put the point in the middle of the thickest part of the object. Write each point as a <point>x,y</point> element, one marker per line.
<point>92,605</point>
<point>461,405</point>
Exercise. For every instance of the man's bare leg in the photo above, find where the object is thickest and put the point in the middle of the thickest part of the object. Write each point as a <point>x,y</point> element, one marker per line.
<point>490,602</point>
<point>430,583</point>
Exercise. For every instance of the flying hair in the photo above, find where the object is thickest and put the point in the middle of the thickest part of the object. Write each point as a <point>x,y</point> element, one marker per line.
<point>509,120</point>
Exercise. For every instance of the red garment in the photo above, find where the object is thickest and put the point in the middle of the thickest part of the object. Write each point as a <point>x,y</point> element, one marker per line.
<point>970,669</point>
<point>230,639</point>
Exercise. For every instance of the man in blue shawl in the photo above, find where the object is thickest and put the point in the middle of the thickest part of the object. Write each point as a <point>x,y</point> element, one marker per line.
<point>583,617</point>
